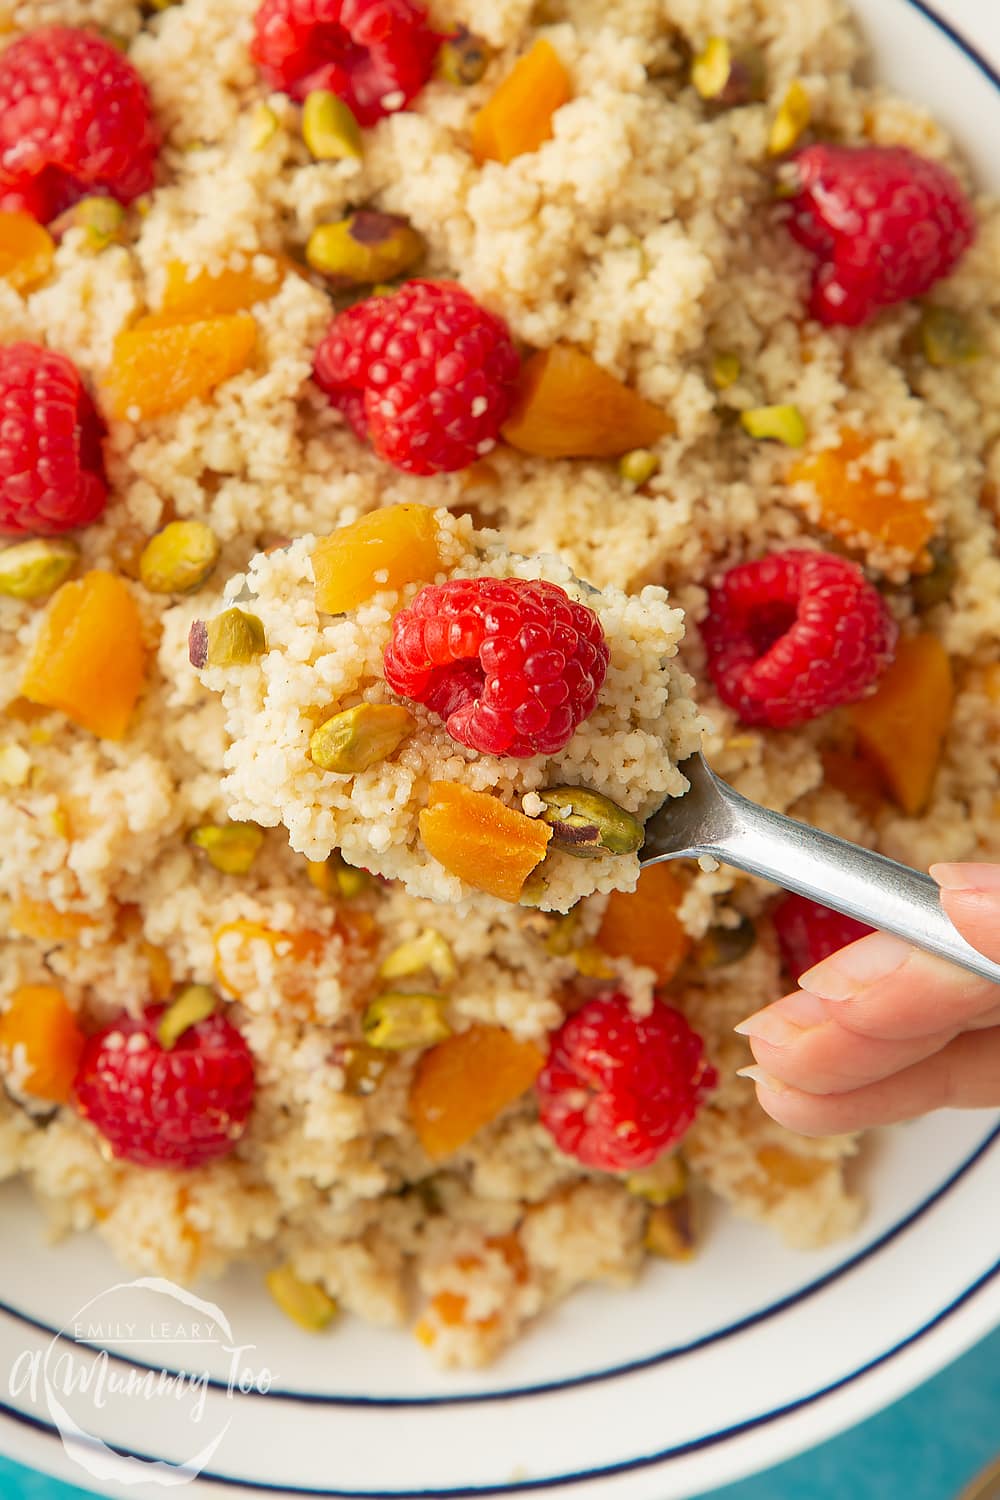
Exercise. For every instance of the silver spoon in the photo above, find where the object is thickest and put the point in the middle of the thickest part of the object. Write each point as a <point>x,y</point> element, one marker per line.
<point>714,819</point>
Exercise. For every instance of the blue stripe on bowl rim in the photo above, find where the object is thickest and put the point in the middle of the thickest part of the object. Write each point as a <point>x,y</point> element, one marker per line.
<point>991,73</point>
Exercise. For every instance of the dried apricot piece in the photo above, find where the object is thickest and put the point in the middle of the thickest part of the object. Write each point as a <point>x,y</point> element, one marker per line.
<point>43,1041</point>
<point>518,118</point>
<point>478,838</point>
<point>164,361</point>
<point>89,660</point>
<point>400,544</point>
<point>901,728</point>
<point>568,407</point>
<point>465,1082</point>
<point>26,251</point>
<point>46,923</point>
<point>855,501</point>
<point>206,296</point>
<point>234,951</point>
<point>643,924</point>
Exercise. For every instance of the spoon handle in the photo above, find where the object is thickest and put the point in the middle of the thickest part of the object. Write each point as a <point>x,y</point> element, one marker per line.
<point>876,890</point>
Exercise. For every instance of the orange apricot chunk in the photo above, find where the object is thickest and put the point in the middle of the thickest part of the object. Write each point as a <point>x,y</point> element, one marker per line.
<point>164,361</point>
<point>208,296</point>
<point>854,501</point>
<point>26,251</point>
<point>518,118</point>
<point>465,1082</point>
<point>42,1039</point>
<point>643,924</point>
<point>568,407</point>
<point>235,960</point>
<point>89,660</point>
<point>478,838</point>
<point>901,728</point>
<point>46,923</point>
<point>399,543</point>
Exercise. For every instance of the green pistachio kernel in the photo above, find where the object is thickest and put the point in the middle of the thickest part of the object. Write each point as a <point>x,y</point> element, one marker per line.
<point>29,570</point>
<point>103,221</point>
<point>670,1230</point>
<point>360,737</point>
<point>365,248</point>
<point>586,824</point>
<point>793,117</point>
<point>726,370</point>
<point>722,946</point>
<point>783,424</point>
<point>728,78</point>
<point>663,1182</point>
<point>398,1021</point>
<point>195,1003</point>
<point>178,559</point>
<point>335,878</point>
<point>638,467</point>
<point>263,126</point>
<point>231,847</point>
<point>429,951</point>
<point>947,338</point>
<point>934,587</point>
<point>306,1303</point>
<point>232,639</point>
<point>463,58</point>
<point>329,128</point>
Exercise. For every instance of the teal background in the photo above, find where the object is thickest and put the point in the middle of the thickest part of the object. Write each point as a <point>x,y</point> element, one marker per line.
<point>926,1447</point>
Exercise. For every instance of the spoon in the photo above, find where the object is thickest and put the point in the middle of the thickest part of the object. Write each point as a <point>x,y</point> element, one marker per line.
<point>711,818</point>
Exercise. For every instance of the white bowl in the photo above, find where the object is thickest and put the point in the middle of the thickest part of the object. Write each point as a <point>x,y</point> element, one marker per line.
<point>698,1377</point>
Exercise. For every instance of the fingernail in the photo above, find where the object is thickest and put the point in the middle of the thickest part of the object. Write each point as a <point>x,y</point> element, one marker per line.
<point>786,1020</point>
<point>762,1079</point>
<point>984,878</point>
<point>844,974</point>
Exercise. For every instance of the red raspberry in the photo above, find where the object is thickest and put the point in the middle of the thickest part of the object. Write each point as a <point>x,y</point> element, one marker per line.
<point>51,469</point>
<point>808,932</point>
<point>156,1108</point>
<point>617,1091</point>
<point>75,119</point>
<point>376,55</point>
<point>512,666</point>
<point>885,222</point>
<point>428,375</point>
<point>794,635</point>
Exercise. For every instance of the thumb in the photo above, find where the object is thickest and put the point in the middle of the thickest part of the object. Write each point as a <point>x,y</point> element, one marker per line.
<point>970,895</point>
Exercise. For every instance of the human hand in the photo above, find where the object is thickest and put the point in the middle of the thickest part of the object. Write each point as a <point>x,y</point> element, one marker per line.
<point>882,1032</point>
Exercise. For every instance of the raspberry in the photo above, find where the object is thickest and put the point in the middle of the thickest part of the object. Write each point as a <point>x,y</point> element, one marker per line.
<point>794,635</point>
<point>885,222</point>
<point>512,666</point>
<point>376,55</point>
<point>156,1108</point>
<point>51,469</point>
<point>808,932</point>
<point>428,375</point>
<point>75,119</point>
<point>618,1090</point>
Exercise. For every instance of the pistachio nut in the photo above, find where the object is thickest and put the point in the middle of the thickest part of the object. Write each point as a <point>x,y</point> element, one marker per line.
<point>397,1021</point>
<point>178,559</point>
<point>463,58</point>
<point>670,1230</point>
<point>360,737</point>
<point>782,424</point>
<point>726,370</point>
<point>727,77</point>
<point>934,587</point>
<point>793,117</point>
<point>429,951</point>
<point>335,878</point>
<point>661,1183</point>
<point>364,248</point>
<point>231,848</point>
<point>587,824</point>
<point>195,1003</point>
<point>329,129</point>
<point>306,1303</point>
<point>263,126</point>
<point>103,221</point>
<point>232,639</point>
<point>722,946</point>
<point>639,466</point>
<point>947,338</point>
<point>29,570</point>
